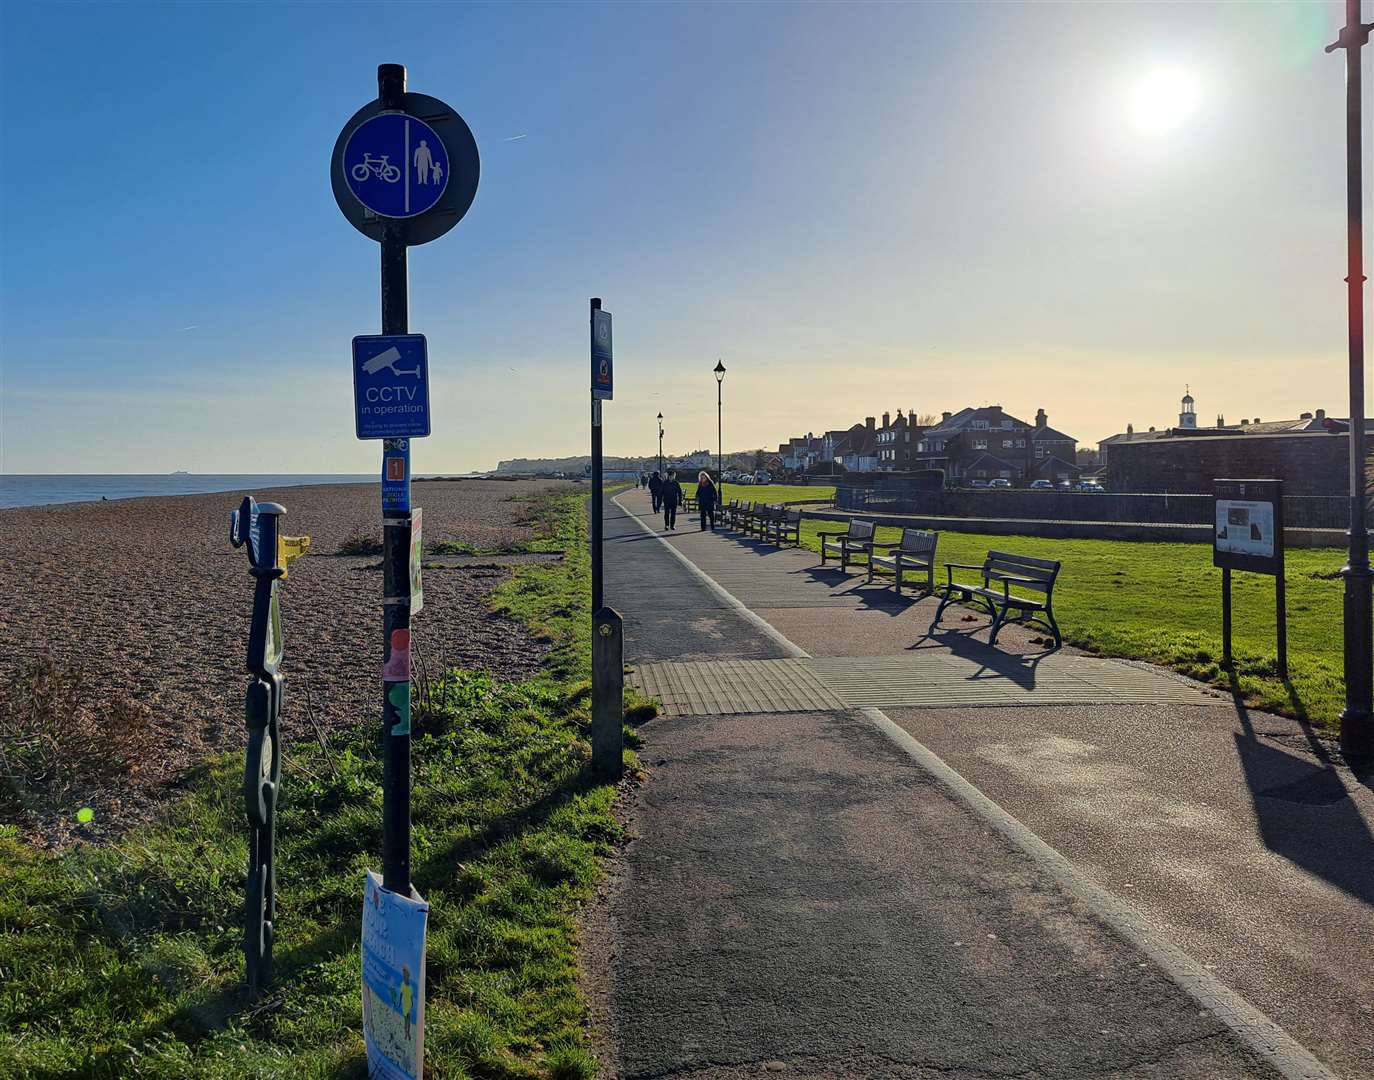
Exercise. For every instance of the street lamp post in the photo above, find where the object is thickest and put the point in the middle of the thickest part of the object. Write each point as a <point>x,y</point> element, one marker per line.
<point>719,369</point>
<point>660,444</point>
<point>1357,721</point>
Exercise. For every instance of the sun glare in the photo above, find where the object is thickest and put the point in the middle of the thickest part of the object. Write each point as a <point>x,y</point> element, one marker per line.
<point>1163,99</point>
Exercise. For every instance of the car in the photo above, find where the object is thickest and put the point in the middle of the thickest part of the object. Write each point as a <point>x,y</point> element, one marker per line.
<point>744,478</point>
<point>762,477</point>
<point>1089,485</point>
<point>977,483</point>
<point>1041,485</point>
<point>999,482</point>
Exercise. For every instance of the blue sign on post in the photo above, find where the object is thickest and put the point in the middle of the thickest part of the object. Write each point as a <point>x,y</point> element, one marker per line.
<point>603,380</point>
<point>391,386</point>
<point>396,165</point>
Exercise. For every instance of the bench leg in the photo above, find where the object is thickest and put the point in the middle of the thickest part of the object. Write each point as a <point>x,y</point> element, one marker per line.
<point>1054,625</point>
<point>945,601</point>
<point>997,622</point>
<point>897,578</point>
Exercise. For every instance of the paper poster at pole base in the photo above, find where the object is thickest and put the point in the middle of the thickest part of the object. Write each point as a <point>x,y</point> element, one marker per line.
<point>394,928</point>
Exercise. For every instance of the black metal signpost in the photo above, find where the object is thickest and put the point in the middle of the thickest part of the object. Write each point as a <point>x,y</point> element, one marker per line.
<point>1249,536</point>
<point>404,171</point>
<point>254,525</point>
<point>608,638</point>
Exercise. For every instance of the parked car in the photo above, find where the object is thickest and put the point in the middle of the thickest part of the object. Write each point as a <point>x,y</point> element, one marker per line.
<point>744,478</point>
<point>762,477</point>
<point>1089,485</point>
<point>999,482</point>
<point>1041,485</point>
<point>977,483</point>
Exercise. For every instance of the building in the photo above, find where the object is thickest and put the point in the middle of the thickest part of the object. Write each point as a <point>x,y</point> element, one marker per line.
<point>989,443</point>
<point>896,442</point>
<point>1308,453</point>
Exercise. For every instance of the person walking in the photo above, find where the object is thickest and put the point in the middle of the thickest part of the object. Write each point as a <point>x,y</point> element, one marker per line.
<point>670,495</point>
<point>707,500</point>
<point>656,490</point>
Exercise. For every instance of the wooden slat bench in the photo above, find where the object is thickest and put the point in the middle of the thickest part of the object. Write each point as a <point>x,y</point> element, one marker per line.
<point>853,540</point>
<point>762,521</point>
<point>914,552</point>
<point>785,527</point>
<point>1001,571</point>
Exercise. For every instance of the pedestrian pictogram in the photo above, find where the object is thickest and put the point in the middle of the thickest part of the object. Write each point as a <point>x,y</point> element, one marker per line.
<point>396,165</point>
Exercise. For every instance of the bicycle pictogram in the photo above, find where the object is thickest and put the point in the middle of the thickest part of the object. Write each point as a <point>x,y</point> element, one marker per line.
<point>376,166</point>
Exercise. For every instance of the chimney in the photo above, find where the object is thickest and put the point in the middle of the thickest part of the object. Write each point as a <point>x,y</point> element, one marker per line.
<point>945,416</point>
<point>1321,414</point>
<point>887,419</point>
<point>1245,422</point>
<point>1221,421</point>
<point>1041,420</point>
<point>1130,430</point>
<point>1152,427</point>
<point>869,422</point>
<point>1258,420</point>
<point>1305,416</point>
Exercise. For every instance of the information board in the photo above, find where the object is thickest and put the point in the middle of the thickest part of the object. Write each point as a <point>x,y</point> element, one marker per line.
<point>1249,525</point>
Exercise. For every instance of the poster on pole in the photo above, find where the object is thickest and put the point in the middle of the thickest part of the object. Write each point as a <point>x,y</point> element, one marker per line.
<point>394,928</point>
<point>603,375</point>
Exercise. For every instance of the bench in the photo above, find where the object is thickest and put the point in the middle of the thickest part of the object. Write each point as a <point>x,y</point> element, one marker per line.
<point>914,551</point>
<point>761,521</point>
<point>857,538</point>
<point>785,527</point>
<point>1001,571</point>
<point>739,514</point>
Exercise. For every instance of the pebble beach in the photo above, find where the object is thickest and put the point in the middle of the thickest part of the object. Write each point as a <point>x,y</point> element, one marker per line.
<point>149,600</point>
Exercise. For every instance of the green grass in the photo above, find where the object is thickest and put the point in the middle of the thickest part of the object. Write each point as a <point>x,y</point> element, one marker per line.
<point>1162,603</point>
<point>777,493</point>
<point>125,960</point>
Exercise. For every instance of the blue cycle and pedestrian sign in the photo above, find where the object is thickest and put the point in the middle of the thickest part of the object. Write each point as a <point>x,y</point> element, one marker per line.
<point>391,386</point>
<point>396,165</point>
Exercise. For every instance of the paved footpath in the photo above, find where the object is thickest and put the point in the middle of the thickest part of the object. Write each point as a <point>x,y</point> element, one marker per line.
<point>1110,873</point>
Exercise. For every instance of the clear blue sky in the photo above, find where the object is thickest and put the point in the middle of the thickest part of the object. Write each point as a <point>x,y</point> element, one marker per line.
<point>859,207</point>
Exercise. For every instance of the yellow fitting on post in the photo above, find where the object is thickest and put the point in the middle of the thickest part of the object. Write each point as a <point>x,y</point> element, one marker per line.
<point>289,549</point>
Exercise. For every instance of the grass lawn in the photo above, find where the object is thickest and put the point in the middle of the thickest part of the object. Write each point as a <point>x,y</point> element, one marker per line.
<point>124,959</point>
<point>777,493</point>
<point>1162,603</point>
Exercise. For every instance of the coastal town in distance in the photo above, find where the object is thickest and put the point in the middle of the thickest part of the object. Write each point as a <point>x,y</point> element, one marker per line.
<point>636,541</point>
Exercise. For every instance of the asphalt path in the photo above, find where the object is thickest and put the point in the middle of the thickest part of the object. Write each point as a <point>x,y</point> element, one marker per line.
<point>798,897</point>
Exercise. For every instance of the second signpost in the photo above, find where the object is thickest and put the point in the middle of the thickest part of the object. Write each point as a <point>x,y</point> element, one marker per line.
<point>608,636</point>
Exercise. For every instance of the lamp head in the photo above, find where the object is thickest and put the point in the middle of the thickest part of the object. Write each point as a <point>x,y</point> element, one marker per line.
<point>719,369</point>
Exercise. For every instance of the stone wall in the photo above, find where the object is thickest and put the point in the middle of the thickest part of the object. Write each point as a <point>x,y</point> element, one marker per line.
<point>1309,463</point>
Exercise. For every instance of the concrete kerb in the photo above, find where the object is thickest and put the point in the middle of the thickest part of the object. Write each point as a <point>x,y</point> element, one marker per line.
<point>1260,1033</point>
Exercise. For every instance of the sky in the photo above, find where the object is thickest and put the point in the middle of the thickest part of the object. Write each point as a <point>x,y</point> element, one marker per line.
<point>859,208</point>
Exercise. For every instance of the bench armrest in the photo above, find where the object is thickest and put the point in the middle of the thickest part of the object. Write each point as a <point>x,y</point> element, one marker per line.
<point>884,543</point>
<point>842,532</point>
<point>1013,579</point>
<point>963,566</point>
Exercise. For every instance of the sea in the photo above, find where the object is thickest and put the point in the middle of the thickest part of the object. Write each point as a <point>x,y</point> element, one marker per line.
<point>19,490</point>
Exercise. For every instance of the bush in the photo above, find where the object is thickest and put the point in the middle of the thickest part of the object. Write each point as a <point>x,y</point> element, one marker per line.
<point>57,737</point>
<point>360,542</point>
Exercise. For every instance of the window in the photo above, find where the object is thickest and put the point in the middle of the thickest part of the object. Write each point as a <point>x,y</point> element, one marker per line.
<point>1039,451</point>
<point>980,425</point>
<point>1006,473</point>
<point>1020,444</point>
<point>1006,444</point>
<point>1006,425</point>
<point>980,444</point>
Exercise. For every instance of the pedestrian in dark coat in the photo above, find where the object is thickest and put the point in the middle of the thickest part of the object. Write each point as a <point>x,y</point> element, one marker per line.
<point>708,500</point>
<point>656,490</point>
<point>670,495</point>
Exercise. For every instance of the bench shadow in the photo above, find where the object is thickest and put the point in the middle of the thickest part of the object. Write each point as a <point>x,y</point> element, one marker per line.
<point>992,662</point>
<point>1304,811</point>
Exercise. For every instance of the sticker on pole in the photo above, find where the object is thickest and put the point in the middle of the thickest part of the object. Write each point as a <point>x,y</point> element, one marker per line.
<point>396,165</point>
<point>417,553</point>
<point>393,981</point>
<point>603,380</point>
<point>391,386</point>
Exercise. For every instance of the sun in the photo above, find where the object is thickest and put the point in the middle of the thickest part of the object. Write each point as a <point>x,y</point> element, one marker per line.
<point>1163,99</point>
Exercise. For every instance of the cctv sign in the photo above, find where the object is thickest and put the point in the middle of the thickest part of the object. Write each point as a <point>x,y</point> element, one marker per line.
<point>391,386</point>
